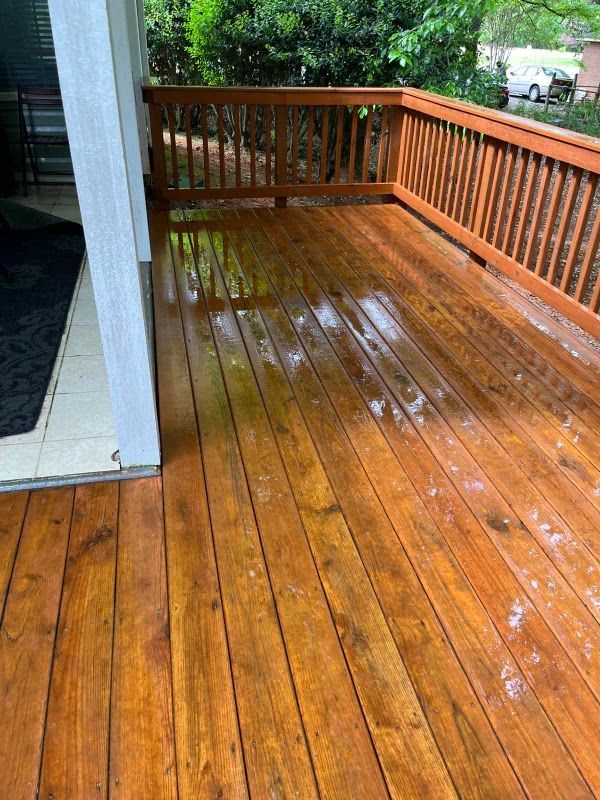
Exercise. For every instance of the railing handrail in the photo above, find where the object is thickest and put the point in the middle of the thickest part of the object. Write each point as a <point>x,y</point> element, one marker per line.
<point>275,95</point>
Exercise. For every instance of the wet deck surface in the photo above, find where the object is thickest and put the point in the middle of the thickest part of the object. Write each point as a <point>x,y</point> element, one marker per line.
<point>371,566</point>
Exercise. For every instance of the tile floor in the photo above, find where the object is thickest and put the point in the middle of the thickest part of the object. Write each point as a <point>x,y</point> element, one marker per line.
<point>75,433</point>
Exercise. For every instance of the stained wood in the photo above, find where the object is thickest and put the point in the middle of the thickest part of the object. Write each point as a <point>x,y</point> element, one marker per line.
<point>324,144</point>
<point>342,395</point>
<point>75,756</point>
<point>342,305</point>
<point>173,143</point>
<point>12,513</point>
<point>221,139</point>
<point>342,753</point>
<point>367,145</point>
<point>401,597</point>
<point>141,715</point>
<point>205,151</point>
<point>237,143</point>
<point>352,156</point>
<point>209,752</point>
<point>189,146</point>
<point>27,638</point>
<point>272,732</point>
<point>552,363</point>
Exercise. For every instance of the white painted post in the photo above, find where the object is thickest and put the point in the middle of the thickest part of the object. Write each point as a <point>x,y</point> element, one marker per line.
<point>94,67</point>
<point>139,68</point>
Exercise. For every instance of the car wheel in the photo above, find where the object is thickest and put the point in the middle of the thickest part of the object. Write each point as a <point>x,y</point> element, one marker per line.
<point>534,93</point>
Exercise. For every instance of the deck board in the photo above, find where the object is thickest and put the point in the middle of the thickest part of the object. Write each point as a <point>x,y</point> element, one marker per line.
<point>370,567</point>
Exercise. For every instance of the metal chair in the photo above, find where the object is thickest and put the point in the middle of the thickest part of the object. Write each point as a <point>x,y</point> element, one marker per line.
<point>35,107</point>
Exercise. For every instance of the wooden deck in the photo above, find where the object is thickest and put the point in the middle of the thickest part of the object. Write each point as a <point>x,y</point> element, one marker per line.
<point>371,567</point>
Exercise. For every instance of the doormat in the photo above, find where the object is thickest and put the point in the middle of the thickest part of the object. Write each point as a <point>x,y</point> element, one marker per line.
<point>40,259</point>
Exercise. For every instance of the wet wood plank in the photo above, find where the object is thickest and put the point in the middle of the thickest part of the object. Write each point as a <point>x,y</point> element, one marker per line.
<point>141,698</point>
<point>75,760</point>
<point>12,513</point>
<point>209,753</point>
<point>27,638</point>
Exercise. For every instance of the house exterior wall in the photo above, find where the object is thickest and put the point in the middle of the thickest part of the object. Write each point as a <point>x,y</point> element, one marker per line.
<point>589,76</point>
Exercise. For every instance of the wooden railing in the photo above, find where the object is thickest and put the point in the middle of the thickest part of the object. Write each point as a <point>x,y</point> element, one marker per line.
<point>282,142</point>
<point>520,195</point>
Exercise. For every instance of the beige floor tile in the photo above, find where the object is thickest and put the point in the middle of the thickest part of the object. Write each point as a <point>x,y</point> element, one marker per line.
<point>77,456</point>
<point>19,461</point>
<point>82,415</point>
<point>82,374</point>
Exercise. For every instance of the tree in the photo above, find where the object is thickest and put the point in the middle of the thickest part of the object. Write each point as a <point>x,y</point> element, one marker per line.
<point>541,23</point>
<point>295,42</point>
<point>166,32</point>
<point>440,53</point>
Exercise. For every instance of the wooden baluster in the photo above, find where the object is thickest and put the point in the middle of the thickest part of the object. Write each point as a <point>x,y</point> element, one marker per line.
<point>237,140</point>
<point>418,156</point>
<point>426,159</point>
<point>174,164</point>
<point>467,191</point>
<point>253,145</point>
<point>408,146</point>
<point>221,134</point>
<point>268,126</point>
<point>466,145</point>
<point>205,150</point>
<point>515,202</point>
<point>494,205</point>
<point>310,132</point>
<point>483,185</point>
<point>281,151</point>
<point>530,189</point>
<point>189,148</point>
<point>353,134</point>
<point>441,163</point>
<point>383,141</point>
<point>367,145</point>
<point>557,194</point>
<point>440,178</point>
<point>538,212</point>
<point>295,124</point>
<point>339,140</point>
<point>159,173</point>
<point>511,160</point>
<point>582,218</point>
<point>324,144</point>
<point>436,155</point>
<point>563,227</point>
<point>453,174</point>
<point>588,261</point>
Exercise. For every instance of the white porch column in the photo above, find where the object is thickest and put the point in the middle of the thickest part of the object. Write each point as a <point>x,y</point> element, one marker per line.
<point>94,65</point>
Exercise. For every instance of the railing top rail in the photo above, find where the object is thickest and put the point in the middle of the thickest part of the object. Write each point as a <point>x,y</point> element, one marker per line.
<point>273,95</point>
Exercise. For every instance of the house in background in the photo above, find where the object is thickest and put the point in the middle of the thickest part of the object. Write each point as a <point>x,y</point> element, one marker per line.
<point>589,75</point>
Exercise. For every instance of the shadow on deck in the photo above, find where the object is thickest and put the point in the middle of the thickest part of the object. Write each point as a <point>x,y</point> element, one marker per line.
<point>371,565</point>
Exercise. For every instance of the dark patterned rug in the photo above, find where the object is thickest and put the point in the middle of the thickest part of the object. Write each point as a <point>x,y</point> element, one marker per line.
<point>40,258</point>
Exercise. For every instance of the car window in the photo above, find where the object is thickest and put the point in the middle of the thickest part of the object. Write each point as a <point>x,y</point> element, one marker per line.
<point>531,71</point>
<point>520,71</point>
<point>560,73</point>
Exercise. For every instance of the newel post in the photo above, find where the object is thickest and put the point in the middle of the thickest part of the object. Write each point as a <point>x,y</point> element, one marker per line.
<point>396,146</point>
<point>281,120</point>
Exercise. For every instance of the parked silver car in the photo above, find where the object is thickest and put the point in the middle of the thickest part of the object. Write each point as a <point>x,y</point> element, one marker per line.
<point>534,82</point>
